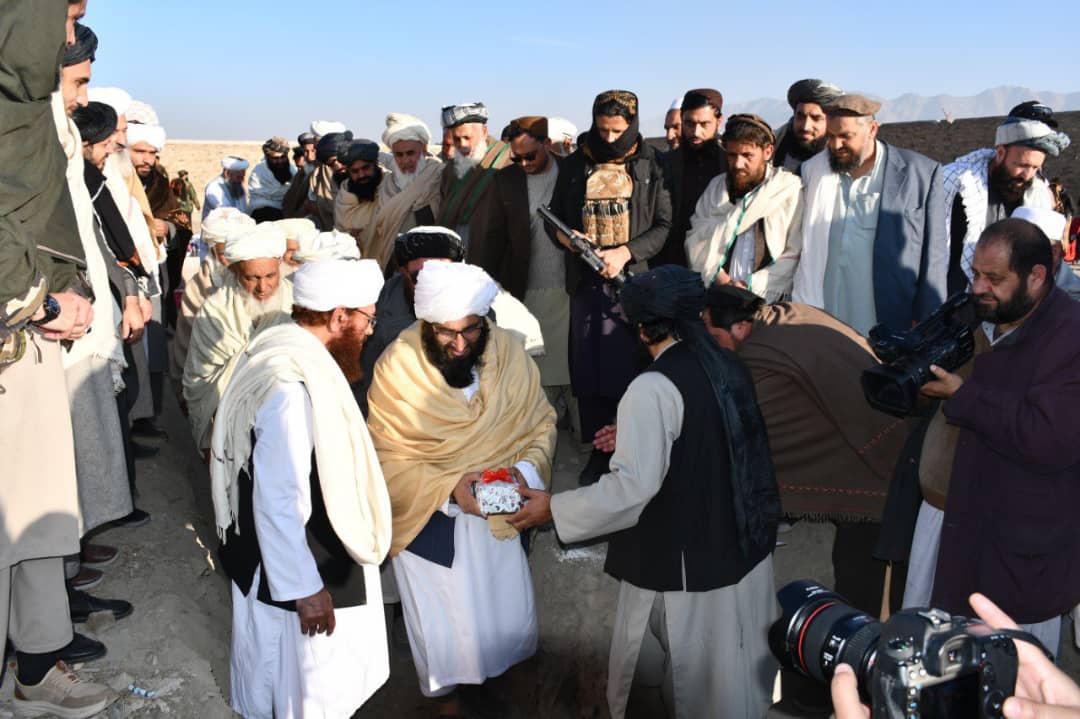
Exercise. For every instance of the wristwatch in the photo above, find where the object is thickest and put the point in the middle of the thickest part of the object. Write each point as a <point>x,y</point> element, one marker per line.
<point>52,311</point>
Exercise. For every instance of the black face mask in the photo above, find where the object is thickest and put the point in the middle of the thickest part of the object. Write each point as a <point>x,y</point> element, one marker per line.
<point>602,151</point>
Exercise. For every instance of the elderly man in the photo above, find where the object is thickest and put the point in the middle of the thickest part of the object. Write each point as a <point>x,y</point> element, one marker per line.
<point>463,577</point>
<point>409,197</point>
<point>691,166</point>
<point>873,229</point>
<point>466,181</point>
<point>357,198</point>
<point>987,185</point>
<point>252,298</point>
<point>673,124</point>
<point>803,136</point>
<point>302,508</point>
<point>227,189</point>
<point>270,180</point>
<point>691,507</point>
<point>746,228</point>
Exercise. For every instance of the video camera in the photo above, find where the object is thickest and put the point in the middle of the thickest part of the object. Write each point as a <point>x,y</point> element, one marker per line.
<point>941,339</point>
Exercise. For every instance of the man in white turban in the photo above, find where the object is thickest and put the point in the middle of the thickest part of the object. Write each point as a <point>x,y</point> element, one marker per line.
<point>331,245</point>
<point>228,189</point>
<point>1053,226</point>
<point>302,508</point>
<point>322,128</point>
<point>252,298</point>
<point>409,195</point>
<point>456,402</point>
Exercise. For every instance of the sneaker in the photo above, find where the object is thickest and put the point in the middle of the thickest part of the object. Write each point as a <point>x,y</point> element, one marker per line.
<point>137,518</point>
<point>61,693</point>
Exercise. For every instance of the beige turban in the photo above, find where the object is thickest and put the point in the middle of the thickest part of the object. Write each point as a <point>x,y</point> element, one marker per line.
<point>223,222</point>
<point>296,228</point>
<point>450,291</point>
<point>400,126</point>
<point>331,245</point>
<point>261,241</point>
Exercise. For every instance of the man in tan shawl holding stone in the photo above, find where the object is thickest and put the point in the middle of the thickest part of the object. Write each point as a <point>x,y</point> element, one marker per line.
<point>452,398</point>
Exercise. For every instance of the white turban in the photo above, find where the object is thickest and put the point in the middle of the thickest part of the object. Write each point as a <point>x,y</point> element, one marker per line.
<point>449,291</point>
<point>114,97</point>
<point>676,104</point>
<point>400,126</point>
<point>296,228</point>
<point>223,222</point>
<point>559,129</point>
<point>152,135</point>
<point>1051,223</point>
<point>141,113</point>
<point>331,245</point>
<point>261,241</point>
<point>325,284</point>
<point>322,128</point>
<point>232,163</point>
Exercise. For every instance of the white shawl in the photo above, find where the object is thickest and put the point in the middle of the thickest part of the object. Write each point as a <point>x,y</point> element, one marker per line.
<point>717,222</point>
<point>820,187</point>
<point>151,254</point>
<point>353,488</point>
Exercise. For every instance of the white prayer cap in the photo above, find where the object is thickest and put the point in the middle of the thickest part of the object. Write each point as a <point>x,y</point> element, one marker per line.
<point>559,129</point>
<point>265,240</point>
<point>232,163</point>
<point>140,112</point>
<point>449,291</point>
<point>297,227</point>
<point>322,128</point>
<point>1051,223</point>
<point>114,97</point>
<point>152,135</point>
<point>676,104</point>
<point>331,245</point>
<point>400,126</point>
<point>325,284</point>
<point>223,222</point>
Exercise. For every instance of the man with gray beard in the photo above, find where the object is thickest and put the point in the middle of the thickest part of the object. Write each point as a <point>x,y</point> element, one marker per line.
<point>252,298</point>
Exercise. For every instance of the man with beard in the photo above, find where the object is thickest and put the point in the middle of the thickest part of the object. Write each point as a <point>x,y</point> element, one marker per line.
<point>873,228</point>
<point>252,298</point>
<point>673,124</point>
<point>327,177</point>
<point>227,189</point>
<point>302,509</point>
<point>745,229</point>
<point>185,192</point>
<point>270,180</point>
<point>466,180</point>
<point>986,185</point>
<point>612,190</point>
<point>450,398</point>
<point>409,196</point>
<point>803,136</point>
<point>1004,452</point>
<point>691,166</point>
<point>292,204</point>
<point>356,201</point>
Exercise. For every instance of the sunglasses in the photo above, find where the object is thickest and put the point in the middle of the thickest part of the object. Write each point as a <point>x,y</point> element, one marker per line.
<point>527,157</point>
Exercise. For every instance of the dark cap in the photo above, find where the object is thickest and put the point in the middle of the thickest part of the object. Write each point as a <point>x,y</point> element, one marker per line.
<point>532,125</point>
<point>695,99</point>
<point>852,106</point>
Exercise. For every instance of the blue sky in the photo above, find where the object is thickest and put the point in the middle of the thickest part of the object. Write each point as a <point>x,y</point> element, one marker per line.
<point>249,69</point>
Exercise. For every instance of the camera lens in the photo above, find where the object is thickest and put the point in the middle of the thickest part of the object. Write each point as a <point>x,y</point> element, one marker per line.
<point>818,630</point>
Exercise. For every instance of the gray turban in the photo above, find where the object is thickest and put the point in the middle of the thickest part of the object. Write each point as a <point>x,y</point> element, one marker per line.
<point>818,92</point>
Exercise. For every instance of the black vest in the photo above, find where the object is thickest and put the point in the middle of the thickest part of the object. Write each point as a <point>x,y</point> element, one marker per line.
<point>690,523</point>
<point>241,556</point>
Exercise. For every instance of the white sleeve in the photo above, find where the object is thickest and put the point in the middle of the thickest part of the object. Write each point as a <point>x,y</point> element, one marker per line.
<point>649,421</point>
<point>532,477</point>
<point>282,498</point>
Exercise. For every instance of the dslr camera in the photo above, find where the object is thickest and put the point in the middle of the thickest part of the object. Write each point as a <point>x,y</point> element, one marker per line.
<point>942,339</point>
<point>922,663</point>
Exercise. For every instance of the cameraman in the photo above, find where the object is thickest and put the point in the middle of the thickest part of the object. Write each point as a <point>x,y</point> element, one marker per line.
<point>1007,527</point>
<point>1042,690</point>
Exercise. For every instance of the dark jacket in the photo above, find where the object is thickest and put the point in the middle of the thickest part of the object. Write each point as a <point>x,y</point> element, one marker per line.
<point>650,207</point>
<point>1010,529</point>
<point>688,174</point>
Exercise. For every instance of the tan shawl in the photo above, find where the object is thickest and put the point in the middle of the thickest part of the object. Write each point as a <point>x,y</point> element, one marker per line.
<point>396,206</point>
<point>197,289</point>
<point>428,436</point>
<point>355,217</point>
<point>324,188</point>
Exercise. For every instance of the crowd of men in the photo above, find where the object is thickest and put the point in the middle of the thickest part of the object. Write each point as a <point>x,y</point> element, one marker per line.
<point>378,345</point>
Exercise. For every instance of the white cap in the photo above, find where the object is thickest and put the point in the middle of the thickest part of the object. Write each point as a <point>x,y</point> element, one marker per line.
<point>1051,223</point>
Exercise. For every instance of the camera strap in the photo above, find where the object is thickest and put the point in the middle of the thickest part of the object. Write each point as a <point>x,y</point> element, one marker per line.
<point>1022,636</point>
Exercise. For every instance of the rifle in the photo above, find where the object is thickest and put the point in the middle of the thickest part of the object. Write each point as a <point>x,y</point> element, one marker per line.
<point>582,247</point>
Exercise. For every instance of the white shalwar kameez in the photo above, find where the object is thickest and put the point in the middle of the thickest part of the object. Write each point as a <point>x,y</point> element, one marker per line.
<point>278,672</point>
<point>476,619</point>
<point>217,195</point>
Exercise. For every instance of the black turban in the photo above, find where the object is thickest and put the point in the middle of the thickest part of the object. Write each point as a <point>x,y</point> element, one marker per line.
<point>1035,110</point>
<point>333,145</point>
<point>365,150</point>
<point>96,122</point>
<point>83,49</point>
<point>669,292</point>
<point>430,242</point>
<point>818,92</point>
<point>729,304</point>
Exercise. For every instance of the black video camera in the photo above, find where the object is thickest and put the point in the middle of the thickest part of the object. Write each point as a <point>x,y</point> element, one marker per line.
<point>922,663</point>
<point>942,339</point>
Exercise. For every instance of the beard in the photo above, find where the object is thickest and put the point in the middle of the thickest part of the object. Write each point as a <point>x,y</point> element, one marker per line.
<point>851,161</point>
<point>463,163</point>
<point>804,150</point>
<point>1006,311</point>
<point>235,190</point>
<point>1009,189</point>
<point>740,185</point>
<point>457,371</point>
<point>346,352</point>
<point>258,310</point>
<point>365,188</point>
<point>340,177</point>
<point>281,171</point>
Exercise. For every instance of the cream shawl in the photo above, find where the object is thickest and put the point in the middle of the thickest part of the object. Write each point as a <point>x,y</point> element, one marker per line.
<point>821,185</point>
<point>355,217</point>
<point>352,483</point>
<point>428,436</point>
<point>395,206</point>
